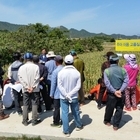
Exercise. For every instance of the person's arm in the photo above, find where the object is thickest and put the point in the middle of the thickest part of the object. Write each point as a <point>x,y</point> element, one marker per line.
<point>125,81</point>
<point>36,79</point>
<point>77,87</point>
<point>44,75</point>
<point>60,86</point>
<point>108,84</point>
<point>9,72</point>
<point>21,80</point>
<point>53,84</point>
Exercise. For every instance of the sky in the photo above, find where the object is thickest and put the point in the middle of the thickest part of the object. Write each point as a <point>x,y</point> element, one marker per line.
<point>95,16</point>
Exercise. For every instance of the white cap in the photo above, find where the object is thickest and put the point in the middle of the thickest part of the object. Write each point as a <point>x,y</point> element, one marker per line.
<point>68,59</point>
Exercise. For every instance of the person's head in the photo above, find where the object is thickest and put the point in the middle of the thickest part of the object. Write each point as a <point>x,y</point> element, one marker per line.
<point>44,51</point>
<point>68,60</point>
<point>73,53</point>
<point>108,54</point>
<point>99,80</point>
<point>28,56</point>
<point>36,59</point>
<point>130,59</point>
<point>21,58</point>
<point>50,55</point>
<point>114,59</point>
<point>16,56</point>
<point>58,59</point>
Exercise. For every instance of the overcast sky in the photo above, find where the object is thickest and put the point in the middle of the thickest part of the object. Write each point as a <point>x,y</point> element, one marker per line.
<point>95,16</point>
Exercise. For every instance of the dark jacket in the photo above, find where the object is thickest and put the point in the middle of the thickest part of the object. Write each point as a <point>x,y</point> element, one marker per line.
<point>43,58</point>
<point>1,75</point>
<point>43,73</point>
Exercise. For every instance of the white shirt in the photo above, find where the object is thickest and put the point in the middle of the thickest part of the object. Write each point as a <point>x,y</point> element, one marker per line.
<point>69,82</point>
<point>29,76</point>
<point>7,97</point>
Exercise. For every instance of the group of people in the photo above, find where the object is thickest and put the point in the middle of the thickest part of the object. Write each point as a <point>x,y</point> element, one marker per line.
<point>62,85</point>
<point>45,76</point>
<point>119,85</point>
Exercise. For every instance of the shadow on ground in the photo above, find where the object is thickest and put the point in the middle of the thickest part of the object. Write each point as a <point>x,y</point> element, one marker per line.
<point>125,119</point>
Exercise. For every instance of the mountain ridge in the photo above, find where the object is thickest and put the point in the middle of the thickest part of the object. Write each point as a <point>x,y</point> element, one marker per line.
<point>72,33</point>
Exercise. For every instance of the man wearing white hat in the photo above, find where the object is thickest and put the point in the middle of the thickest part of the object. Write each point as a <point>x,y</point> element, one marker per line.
<point>51,66</point>
<point>69,83</point>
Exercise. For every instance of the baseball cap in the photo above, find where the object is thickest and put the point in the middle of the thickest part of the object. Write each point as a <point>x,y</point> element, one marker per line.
<point>58,58</point>
<point>28,55</point>
<point>68,59</point>
<point>73,52</point>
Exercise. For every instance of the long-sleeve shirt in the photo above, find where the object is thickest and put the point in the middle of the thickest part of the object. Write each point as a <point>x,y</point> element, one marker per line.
<point>108,84</point>
<point>51,66</point>
<point>80,66</point>
<point>69,82</point>
<point>54,92</point>
<point>133,74</point>
<point>29,76</point>
<point>7,96</point>
<point>43,73</point>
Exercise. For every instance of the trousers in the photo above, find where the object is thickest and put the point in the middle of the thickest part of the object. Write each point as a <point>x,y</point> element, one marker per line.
<point>114,102</point>
<point>34,98</point>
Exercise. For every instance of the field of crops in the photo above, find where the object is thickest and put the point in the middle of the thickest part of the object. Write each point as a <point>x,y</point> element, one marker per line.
<point>93,63</point>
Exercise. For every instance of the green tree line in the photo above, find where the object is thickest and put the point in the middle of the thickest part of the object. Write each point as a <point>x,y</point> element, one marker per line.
<point>34,37</point>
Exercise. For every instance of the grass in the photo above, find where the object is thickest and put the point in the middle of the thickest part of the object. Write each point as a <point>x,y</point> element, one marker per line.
<point>20,138</point>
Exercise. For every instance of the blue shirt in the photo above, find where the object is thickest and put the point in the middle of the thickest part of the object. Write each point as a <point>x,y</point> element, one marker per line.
<point>54,92</point>
<point>51,66</point>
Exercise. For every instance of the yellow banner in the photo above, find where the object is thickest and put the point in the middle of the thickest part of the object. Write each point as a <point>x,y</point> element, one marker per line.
<point>127,45</point>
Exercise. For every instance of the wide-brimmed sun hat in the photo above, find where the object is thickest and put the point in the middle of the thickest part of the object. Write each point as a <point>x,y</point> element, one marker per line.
<point>50,54</point>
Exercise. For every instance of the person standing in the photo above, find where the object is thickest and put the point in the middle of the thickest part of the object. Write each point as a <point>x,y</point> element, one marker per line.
<point>54,92</point>
<point>116,80</point>
<point>102,89</point>
<point>13,70</point>
<point>80,66</point>
<point>43,76</point>
<point>29,76</point>
<point>69,83</point>
<point>132,69</point>
<point>43,57</point>
<point>51,66</point>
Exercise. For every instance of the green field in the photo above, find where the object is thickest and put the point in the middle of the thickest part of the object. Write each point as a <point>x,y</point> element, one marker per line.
<point>93,61</point>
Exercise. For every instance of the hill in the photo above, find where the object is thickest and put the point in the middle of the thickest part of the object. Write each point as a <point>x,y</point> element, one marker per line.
<point>72,33</point>
<point>9,26</point>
